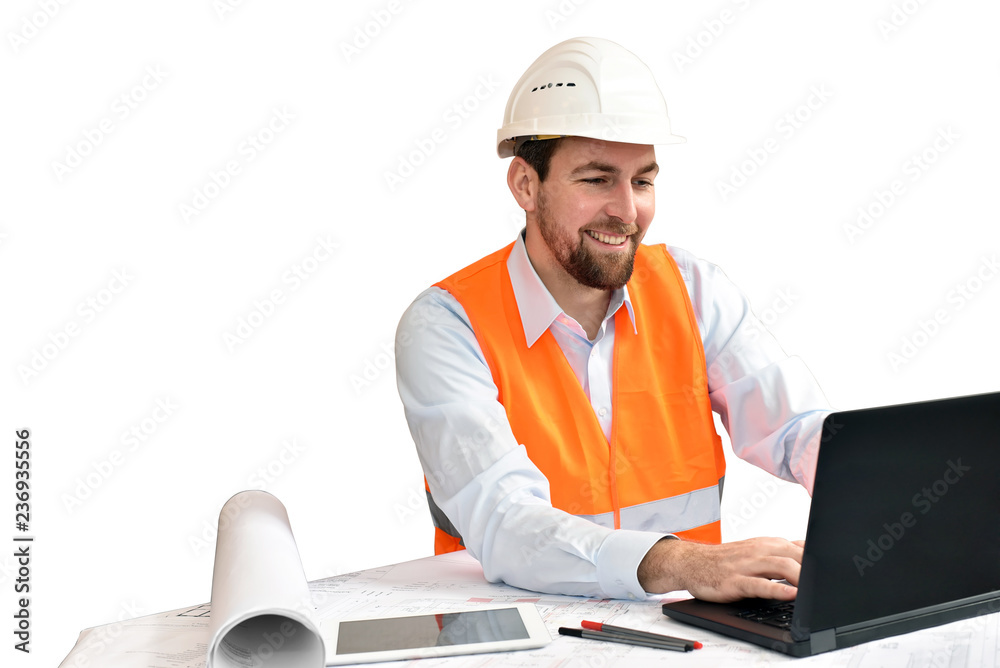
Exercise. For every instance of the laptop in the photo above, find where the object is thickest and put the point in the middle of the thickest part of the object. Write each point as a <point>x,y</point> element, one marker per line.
<point>903,533</point>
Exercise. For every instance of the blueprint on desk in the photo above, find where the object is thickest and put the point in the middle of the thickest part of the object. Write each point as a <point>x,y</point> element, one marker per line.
<point>178,639</point>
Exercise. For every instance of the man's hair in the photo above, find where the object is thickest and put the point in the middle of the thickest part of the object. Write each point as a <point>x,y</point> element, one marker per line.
<point>538,154</point>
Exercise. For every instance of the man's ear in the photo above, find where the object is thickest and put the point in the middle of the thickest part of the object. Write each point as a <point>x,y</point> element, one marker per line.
<point>522,179</point>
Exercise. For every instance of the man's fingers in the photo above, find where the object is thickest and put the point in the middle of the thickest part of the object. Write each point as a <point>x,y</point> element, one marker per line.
<point>768,546</point>
<point>785,548</point>
<point>754,574</point>
<point>776,590</point>
<point>749,587</point>
<point>743,569</point>
<point>771,568</point>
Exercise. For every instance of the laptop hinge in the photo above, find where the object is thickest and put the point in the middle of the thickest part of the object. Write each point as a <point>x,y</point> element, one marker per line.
<point>823,641</point>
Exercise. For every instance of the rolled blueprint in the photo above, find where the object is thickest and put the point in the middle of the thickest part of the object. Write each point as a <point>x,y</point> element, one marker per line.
<point>262,612</point>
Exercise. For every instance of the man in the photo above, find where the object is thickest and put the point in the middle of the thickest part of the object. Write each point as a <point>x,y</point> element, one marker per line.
<point>560,391</point>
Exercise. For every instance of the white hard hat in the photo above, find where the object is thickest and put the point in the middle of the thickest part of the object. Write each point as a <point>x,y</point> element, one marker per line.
<point>586,87</point>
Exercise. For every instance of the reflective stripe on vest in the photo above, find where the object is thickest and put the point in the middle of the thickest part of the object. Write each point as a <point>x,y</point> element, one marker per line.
<point>662,467</point>
<point>698,508</point>
<point>446,537</point>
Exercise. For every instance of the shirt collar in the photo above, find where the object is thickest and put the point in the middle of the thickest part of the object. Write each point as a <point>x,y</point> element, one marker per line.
<point>536,305</point>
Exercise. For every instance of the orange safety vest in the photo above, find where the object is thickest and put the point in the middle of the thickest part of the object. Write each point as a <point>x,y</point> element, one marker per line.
<point>663,466</point>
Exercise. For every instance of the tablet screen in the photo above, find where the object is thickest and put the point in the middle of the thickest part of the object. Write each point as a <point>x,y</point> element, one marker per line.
<point>441,630</point>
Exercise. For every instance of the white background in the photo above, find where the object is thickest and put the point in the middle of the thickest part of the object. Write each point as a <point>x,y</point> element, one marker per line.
<point>309,396</point>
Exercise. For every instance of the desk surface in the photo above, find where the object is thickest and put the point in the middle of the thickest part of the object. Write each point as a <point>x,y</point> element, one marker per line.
<point>178,639</point>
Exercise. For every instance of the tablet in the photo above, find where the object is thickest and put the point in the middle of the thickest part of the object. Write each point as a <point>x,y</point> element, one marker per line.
<point>446,633</point>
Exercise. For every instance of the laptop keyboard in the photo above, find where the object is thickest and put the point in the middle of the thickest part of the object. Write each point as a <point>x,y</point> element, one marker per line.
<point>773,614</point>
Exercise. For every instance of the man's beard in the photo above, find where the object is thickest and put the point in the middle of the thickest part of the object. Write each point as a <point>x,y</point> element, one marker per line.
<point>606,271</point>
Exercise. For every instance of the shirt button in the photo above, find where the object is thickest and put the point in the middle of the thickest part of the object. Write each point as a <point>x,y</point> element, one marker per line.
<point>602,412</point>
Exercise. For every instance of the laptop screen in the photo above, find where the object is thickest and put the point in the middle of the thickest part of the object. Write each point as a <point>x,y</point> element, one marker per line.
<point>904,512</point>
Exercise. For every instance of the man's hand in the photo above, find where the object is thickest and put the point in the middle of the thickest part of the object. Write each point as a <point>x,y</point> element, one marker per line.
<point>727,572</point>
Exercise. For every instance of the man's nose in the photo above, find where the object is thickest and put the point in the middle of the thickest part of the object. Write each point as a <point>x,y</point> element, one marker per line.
<point>622,203</point>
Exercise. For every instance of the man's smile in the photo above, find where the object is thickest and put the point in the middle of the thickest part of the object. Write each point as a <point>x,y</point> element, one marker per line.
<point>608,239</point>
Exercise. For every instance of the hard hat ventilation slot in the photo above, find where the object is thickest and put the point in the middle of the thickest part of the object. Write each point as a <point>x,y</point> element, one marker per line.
<point>551,85</point>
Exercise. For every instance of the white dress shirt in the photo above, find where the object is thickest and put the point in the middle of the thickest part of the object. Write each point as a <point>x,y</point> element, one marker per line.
<point>497,498</point>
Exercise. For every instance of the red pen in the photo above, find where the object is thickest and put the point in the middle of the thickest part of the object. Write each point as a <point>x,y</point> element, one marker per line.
<point>620,630</point>
<point>625,640</point>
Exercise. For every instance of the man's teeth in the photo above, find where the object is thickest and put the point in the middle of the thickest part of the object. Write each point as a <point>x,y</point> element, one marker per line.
<point>607,238</point>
